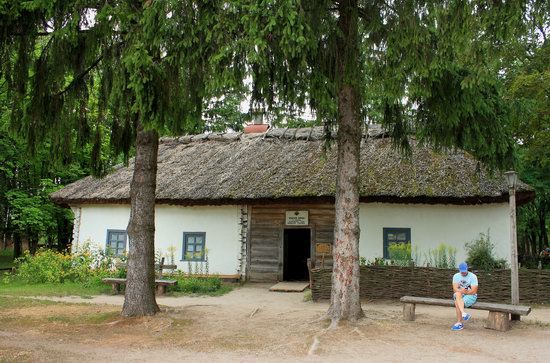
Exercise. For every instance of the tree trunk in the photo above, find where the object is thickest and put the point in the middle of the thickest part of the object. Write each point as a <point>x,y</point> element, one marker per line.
<point>345,303</point>
<point>139,298</point>
<point>64,234</point>
<point>33,244</point>
<point>542,226</point>
<point>17,245</point>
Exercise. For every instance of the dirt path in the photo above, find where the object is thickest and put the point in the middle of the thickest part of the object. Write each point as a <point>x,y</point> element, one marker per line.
<point>253,324</point>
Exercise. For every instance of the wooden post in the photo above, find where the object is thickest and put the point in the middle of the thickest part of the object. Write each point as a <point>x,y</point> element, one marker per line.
<point>514,250</point>
<point>498,321</point>
<point>161,266</point>
<point>409,312</point>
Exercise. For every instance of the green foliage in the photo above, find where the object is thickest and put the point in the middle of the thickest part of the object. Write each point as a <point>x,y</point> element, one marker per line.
<point>196,266</point>
<point>527,80</point>
<point>196,285</point>
<point>416,255</point>
<point>307,296</point>
<point>35,214</point>
<point>225,114</point>
<point>16,287</point>
<point>400,254</point>
<point>480,254</point>
<point>378,261</point>
<point>87,265</point>
<point>95,70</point>
<point>6,258</point>
<point>423,68</point>
<point>44,267</point>
<point>441,257</point>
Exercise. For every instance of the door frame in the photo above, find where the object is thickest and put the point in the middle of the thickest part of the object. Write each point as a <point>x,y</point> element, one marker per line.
<point>281,263</point>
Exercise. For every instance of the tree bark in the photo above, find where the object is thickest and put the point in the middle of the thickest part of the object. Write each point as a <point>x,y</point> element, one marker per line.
<point>542,226</point>
<point>64,234</point>
<point>17,245</point>
<point>33,244</point>
<point>345,303</point>
<point>139,297</point>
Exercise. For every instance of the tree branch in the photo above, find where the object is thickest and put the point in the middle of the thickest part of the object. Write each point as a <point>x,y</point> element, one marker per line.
<point>542,32</point>
<point>80,76</point>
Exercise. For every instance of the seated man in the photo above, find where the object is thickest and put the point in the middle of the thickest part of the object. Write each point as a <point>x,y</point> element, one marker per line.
<point>465,294</point>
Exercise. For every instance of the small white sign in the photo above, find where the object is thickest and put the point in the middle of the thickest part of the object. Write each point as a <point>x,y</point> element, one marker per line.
<point>297,218</point>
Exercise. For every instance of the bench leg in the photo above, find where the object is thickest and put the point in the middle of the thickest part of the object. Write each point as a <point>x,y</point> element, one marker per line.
<point>115,288</point>
<point>161,289</point>
<point>498,321</point>
<point>409,311</point>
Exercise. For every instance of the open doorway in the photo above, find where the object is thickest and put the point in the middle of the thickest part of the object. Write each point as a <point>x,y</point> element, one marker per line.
<point>296,251</point>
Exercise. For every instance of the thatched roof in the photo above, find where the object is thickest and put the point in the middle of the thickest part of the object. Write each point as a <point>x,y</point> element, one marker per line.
<point>291,165</point>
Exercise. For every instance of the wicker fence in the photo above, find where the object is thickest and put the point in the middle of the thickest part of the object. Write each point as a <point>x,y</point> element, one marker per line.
<point>393,282</point>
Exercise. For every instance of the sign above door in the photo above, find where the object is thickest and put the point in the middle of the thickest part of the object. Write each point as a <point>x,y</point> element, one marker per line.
<point>297,218</point>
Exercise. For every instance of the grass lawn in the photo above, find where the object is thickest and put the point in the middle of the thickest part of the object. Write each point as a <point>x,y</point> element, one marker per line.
<point>19,288</point>
<point>224,289</point>
<point>15,287</point>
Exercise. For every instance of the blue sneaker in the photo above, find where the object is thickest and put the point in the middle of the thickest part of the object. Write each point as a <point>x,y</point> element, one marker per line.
<point>457,327</point>
<point>466,317</point>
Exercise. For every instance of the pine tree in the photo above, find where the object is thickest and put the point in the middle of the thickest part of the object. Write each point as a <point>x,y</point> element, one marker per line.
<point>424,68</point>
<point>150,65</point>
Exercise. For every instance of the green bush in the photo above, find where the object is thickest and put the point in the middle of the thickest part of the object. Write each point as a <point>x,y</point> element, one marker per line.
<point>86,265</point>
<point>378,261</point>
<point>45,266</point>
<point>6,258</point>
<point>196,285</point>
<point>480,254</point>
<point>442,257</point>
<point>400,253</point>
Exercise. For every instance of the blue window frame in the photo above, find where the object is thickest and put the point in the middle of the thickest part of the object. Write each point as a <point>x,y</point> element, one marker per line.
<point>194,244</point>
<point>395,235</point>
<point>116,242</point>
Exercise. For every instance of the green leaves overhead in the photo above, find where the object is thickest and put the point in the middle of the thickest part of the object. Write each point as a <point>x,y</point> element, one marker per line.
<point>77,67</point>
<point>428,68</point>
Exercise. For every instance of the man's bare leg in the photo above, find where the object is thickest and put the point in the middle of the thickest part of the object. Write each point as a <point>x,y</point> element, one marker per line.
<point>459,306</point>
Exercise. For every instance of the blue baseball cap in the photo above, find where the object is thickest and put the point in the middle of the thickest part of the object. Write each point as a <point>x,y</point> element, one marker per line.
<point>463,267</point>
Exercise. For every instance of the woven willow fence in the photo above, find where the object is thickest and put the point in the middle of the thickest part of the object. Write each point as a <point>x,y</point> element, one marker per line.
<point>393,282</point>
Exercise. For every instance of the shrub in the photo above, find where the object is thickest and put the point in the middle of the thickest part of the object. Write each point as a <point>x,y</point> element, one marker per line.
<point>400,253</point>
<point>196,285</point>
<point>378,261</point>
<point>480,254</point>
<point>45,266</point>
<point>88,265</point>
<point>442,257</point>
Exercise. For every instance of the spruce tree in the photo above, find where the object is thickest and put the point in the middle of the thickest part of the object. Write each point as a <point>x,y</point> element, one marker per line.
<point>149,63</point>
<point>420,67</point>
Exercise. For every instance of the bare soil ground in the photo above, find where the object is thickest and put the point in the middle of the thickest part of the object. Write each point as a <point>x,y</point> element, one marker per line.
<point>251,324</point>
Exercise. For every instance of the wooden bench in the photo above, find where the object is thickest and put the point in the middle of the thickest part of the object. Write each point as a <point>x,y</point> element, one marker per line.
<point>159,267</point>
<point>499,314</point>
<point>160,284</point>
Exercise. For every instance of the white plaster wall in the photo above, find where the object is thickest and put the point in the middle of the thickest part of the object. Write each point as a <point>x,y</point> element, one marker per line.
<point>220,223</point>
<point>432,225</point>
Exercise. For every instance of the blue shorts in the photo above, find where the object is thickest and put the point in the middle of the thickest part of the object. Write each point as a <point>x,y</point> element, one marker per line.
<point>469,300</point>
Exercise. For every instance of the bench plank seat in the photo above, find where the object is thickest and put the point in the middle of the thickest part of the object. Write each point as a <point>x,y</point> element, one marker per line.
<point>502,308</point>
<point>499,314</point>
<point>161,285</point>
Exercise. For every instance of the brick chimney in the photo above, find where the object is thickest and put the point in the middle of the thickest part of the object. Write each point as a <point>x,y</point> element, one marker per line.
<point>257,125</point>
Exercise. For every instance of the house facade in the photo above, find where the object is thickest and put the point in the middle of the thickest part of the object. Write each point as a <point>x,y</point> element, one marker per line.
<point>257,206</point>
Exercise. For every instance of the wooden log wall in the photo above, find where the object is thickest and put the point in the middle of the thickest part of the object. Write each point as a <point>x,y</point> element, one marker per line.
<point>393,282</point>
<point>267,224</point>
